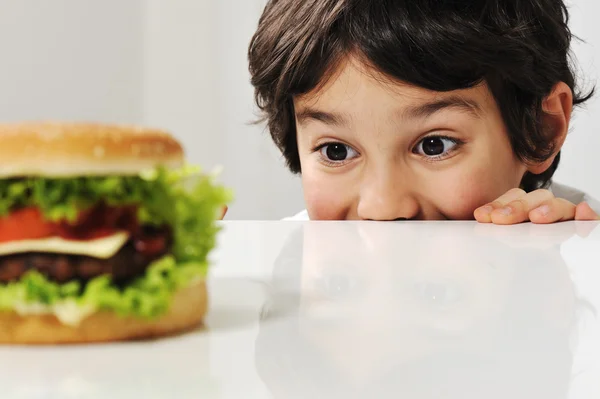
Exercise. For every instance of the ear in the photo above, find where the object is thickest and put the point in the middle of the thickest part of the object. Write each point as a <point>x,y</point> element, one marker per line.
<point>557,108</point>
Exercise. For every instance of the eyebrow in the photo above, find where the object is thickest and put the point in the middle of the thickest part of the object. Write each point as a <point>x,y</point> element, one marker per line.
<point>415,112</point>
<point>452,102</point>
<point>307,114</point>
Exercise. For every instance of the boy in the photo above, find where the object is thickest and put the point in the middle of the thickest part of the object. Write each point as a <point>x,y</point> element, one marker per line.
<point>421,109</point>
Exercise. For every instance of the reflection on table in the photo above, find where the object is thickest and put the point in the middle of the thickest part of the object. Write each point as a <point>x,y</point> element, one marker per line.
<point>404,310</point>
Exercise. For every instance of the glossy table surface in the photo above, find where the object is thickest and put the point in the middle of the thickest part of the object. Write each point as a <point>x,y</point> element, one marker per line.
<point>361,310</point>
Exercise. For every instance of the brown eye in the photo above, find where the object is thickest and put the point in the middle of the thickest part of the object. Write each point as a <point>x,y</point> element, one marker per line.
<point>438,294</point>
<point>435,146</point>
<point>337,152</point>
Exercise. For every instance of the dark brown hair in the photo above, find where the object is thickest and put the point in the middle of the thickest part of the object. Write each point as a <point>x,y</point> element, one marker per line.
<point>520,48</point>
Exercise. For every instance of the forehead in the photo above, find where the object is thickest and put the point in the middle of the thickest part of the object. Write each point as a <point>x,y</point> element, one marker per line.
<point>354,87</point>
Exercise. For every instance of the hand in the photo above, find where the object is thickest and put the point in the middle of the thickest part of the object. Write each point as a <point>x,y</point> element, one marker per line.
<point>224,212</point>
<point>540,206</point>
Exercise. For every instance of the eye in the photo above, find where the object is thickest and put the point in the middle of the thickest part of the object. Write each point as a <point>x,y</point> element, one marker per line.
<point>438,295</point>
<point>435,146</point>
<point>337,152</point>
<point>338,286</point>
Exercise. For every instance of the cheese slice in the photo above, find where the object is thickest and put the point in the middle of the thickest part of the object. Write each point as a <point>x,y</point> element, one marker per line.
<point>102,248</point>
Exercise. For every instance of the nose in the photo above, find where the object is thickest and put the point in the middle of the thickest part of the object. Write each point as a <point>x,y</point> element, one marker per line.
<point>387,197</point>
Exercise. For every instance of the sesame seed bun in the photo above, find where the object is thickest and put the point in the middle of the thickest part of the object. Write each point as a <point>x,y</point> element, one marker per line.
<point>187,311</point>
<point>49,149</point>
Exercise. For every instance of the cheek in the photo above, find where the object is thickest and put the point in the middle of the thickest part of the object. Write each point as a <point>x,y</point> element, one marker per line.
<point>325,200</point>
<point>466,191</point>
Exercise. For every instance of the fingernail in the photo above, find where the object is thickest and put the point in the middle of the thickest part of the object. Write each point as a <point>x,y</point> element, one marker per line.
<point>486,209</point>
<point>543,210</point>
<point>506,211</point>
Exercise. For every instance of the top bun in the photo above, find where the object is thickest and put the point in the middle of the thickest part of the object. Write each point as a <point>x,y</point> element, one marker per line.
<point>84,149</point>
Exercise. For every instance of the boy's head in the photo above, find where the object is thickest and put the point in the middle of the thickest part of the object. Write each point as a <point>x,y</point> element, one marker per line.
<point>420,109</point>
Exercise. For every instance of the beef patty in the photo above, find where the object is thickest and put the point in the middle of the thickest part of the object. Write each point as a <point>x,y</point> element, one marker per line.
<point>130,262</point>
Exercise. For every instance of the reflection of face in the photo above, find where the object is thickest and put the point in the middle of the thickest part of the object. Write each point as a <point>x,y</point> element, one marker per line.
<point>372,149</point>
<point>420,310</point>
<point>367,285</point>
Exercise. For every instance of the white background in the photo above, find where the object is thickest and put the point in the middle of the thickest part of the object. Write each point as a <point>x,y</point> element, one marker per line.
<point>181,65</point>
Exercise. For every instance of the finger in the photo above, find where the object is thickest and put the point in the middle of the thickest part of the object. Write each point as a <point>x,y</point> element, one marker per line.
<point>517,211</point>
<point>508,197</point>
<point>583,211</point>
<point>483,214</point>
<point>555,210</point>
<point>225,209</point>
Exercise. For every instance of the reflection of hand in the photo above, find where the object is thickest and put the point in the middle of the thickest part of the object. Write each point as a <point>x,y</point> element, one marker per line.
<point>540,206</point>
<point>535,236</point>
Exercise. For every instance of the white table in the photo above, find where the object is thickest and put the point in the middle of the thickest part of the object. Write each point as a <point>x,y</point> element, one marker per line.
<point>369,310</point>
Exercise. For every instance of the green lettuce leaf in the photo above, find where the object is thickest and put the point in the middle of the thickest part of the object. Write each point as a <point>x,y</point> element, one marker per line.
<point>186,199</point>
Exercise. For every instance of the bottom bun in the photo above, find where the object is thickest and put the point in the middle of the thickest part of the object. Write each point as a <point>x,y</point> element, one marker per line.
<point>186,312</point>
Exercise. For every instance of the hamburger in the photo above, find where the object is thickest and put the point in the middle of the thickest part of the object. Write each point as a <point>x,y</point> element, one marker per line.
<point>105,233</point>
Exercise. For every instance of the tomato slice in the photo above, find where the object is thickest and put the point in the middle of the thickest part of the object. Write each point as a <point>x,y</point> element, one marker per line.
<point>24,224</point>
<point>150,246</point>
<point>97,222</point>
<point>75,235</point>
